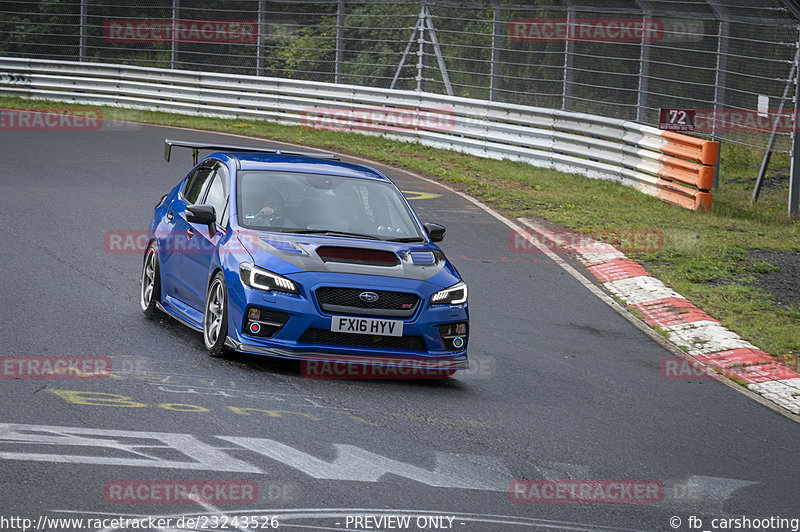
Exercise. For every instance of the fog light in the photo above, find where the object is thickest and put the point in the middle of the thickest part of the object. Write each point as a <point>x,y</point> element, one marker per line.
<point>264,323</point>
<point>454,336</point>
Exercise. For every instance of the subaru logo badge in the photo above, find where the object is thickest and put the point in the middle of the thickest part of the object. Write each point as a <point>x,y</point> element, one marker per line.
<point>368,297</point>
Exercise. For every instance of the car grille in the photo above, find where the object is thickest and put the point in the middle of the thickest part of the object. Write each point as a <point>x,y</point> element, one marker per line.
<point>347,301</point>
<point>399,343</point>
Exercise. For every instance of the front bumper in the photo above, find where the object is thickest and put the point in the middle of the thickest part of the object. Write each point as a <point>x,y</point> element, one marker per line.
<point>426,362</point>
<point>422,342</point>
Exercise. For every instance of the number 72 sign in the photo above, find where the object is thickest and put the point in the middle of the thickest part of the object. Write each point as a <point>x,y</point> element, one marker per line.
<point>676,119</point>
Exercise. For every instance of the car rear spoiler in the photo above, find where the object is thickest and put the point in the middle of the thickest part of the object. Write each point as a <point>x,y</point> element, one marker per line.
<point>197,146</point>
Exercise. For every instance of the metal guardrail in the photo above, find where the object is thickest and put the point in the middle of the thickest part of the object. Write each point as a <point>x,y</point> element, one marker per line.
<point>632,154</point>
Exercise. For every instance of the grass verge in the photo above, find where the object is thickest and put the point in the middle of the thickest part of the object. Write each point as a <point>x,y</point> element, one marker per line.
<point>705,255</point>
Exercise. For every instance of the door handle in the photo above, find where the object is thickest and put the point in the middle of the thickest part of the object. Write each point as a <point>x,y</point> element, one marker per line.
<point>190,232</point>
<point>170,214</point>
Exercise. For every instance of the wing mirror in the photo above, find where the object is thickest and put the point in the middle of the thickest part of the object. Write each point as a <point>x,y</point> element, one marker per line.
<point>435,231</point>
<point>202,214</point>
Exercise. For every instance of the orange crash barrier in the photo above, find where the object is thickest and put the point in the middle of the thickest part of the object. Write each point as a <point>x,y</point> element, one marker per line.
<point>687,171</point>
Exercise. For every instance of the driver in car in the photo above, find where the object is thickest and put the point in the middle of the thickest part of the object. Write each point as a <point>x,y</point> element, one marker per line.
<point>273,212</point>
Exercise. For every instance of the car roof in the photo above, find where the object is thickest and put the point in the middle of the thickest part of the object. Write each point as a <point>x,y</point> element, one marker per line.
<point>298,163</point>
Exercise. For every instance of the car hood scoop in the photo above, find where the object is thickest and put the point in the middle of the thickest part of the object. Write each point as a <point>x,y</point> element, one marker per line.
<point>285,254</point>
<point>350,255</point>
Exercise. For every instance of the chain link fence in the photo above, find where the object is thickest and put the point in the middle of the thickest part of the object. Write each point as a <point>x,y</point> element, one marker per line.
<point>731,60</point>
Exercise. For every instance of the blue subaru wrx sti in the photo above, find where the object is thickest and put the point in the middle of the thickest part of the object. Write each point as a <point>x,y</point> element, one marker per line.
<point>299,255</point>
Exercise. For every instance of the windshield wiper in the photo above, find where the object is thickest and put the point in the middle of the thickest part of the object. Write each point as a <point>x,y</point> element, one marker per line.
<point>406,239</point>
<point>334,233</point>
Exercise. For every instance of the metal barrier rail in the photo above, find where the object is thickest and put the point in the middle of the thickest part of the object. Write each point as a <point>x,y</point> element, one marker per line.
<point>673,167</point>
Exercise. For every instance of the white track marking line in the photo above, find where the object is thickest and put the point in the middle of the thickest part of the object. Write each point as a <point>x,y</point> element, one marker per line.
<point>214,511</point>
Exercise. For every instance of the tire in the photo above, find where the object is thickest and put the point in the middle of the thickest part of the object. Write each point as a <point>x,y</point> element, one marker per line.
<point>150,288</point>
<point>215,317</point>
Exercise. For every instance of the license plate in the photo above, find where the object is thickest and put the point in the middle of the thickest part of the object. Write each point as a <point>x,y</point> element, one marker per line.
<point>367,326</point>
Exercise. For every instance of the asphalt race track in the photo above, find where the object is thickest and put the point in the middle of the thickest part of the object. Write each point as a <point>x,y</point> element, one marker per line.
<point>562,387</point>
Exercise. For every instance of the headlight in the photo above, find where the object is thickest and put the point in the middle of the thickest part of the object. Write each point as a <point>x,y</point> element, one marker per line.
<point>455,295</point>
<point>262,279</point>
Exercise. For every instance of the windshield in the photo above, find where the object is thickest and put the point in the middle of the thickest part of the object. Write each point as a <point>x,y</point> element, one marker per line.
<point>293,202</point>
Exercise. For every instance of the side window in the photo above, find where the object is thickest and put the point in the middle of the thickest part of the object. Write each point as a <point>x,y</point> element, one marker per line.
<point>216,197</point>
<point>196,182</point>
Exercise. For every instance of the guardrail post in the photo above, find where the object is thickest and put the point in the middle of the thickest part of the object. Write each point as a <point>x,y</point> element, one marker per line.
<point>82,45</point>
<point>173,58</point>
<point>569,47</point>
<point>339,42</point>
<point>496,29</point>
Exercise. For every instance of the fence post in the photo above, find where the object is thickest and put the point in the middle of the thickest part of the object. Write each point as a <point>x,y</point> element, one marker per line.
<point>436,48</point>
<point>719,84</point>
<point>260,43</point>
<point>82,45</point>
<point>720,76</point>
<point>173,60</point>
<point>496,29</point>
<point>569,48</point>
<point>339,42</point>
<point>421,50</point>
<point>794,174</point>
<point>762,171</point>
<point>644,64</point>
<point>794,178</point>
<point>418,27</point>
